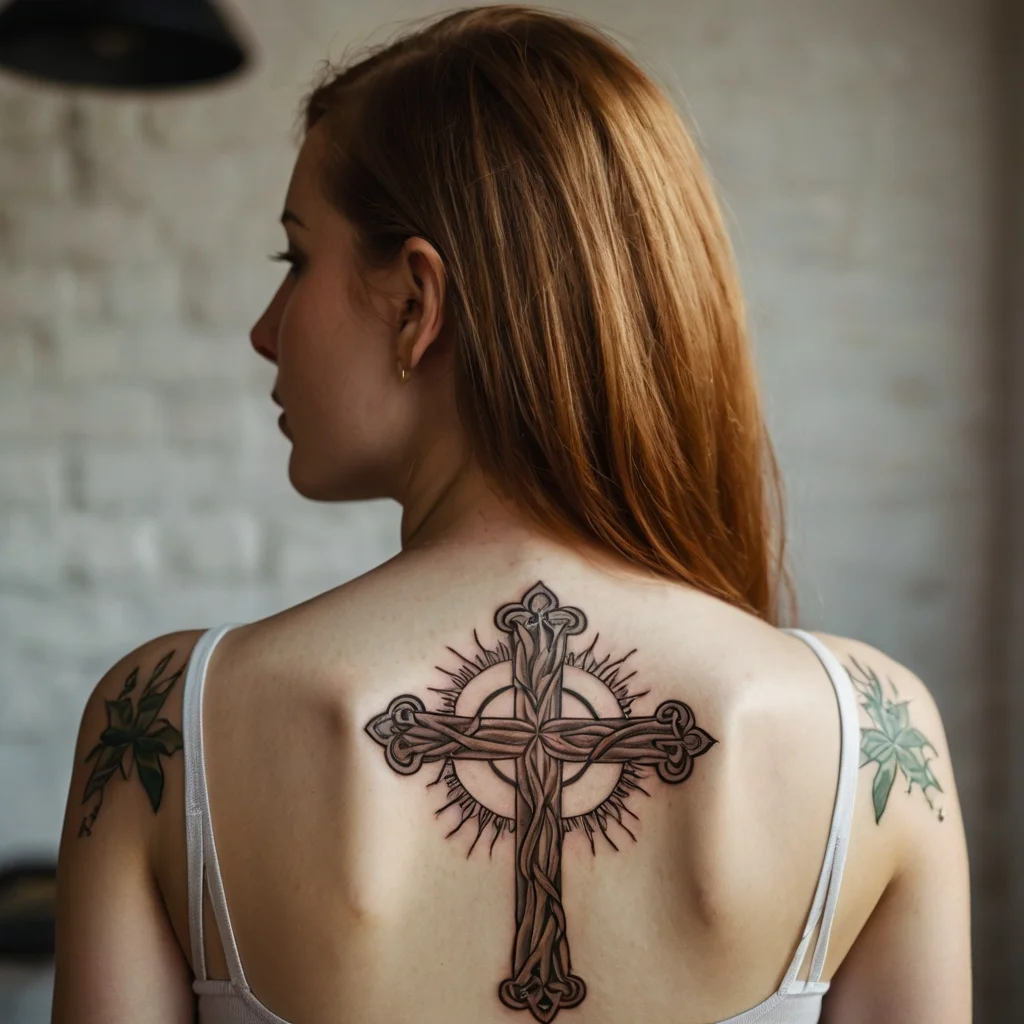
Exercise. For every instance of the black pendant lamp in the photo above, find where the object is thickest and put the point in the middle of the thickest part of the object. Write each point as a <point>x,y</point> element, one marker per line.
<point>118,44</point>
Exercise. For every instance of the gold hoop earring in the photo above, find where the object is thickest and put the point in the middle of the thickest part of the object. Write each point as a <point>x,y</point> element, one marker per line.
<point>403,373</point>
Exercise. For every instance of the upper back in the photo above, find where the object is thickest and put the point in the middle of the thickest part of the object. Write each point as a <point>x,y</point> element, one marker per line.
<point>385,874</point>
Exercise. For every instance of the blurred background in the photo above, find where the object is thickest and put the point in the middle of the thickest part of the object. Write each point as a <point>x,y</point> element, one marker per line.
<point>869,157</point>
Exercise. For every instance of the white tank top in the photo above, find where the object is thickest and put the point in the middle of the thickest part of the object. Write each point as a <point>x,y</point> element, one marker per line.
<point>233,1002</point>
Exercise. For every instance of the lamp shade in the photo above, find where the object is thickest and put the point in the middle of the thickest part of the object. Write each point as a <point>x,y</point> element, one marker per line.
<point>118,44</point>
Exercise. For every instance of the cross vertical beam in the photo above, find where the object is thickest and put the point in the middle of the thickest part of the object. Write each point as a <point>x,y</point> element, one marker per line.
<point>541,978</point>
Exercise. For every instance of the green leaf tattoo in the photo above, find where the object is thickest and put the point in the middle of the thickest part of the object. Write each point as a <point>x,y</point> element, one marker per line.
<point>891,743</point>
<point>134,729</point>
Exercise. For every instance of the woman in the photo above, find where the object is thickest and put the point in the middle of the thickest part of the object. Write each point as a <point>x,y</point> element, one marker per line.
<point>511,307</point>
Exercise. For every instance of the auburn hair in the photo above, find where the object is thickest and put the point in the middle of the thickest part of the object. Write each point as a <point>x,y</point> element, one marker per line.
<point>603,372</point>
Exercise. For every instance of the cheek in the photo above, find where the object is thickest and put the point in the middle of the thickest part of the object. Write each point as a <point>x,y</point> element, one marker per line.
<point>312,339</point>
<point>334,379</point>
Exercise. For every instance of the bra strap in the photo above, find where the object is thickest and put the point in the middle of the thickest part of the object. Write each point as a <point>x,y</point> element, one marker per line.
<point>201,850</point>
<point>826,894</point>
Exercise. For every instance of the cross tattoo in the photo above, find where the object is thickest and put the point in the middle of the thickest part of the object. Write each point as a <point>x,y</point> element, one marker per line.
<point>540,741</point>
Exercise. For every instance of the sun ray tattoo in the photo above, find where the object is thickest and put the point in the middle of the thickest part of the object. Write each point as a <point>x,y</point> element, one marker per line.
<point>134,737</point>
<point>519,724</point>
<point>602,679</point>
<point>892,742</point>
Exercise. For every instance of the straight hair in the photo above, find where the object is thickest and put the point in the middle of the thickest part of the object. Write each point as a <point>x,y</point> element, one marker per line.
<point>603,370</point>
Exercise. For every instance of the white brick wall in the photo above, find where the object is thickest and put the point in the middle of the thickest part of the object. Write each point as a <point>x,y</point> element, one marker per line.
<point>143,481</point>
<point>142,477</point>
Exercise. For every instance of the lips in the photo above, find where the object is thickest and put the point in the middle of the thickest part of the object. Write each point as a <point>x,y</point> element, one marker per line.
<point>282,420</point>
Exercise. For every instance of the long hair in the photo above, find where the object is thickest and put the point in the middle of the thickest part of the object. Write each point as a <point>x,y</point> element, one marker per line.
<point>603,372</point>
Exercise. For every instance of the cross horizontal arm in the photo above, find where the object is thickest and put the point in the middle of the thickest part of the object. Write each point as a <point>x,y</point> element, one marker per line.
<point>669,739</point>
<point>411,735</point>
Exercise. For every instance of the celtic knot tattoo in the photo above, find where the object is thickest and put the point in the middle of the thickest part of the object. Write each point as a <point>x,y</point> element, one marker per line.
<point>553,734</point>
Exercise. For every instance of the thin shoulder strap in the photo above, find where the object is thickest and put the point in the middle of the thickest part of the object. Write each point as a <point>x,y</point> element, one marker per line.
<point>201,850</point>
<point>826,895</point>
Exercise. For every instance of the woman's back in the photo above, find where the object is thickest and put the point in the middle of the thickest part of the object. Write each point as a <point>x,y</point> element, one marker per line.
<point>582,777</point>
<point>354,896</point>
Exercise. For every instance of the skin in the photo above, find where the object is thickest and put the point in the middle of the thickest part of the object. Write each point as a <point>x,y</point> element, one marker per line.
<point>345,898</point>
<point>338,342</point>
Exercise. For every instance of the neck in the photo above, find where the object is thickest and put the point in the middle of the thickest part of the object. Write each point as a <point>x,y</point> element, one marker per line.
<point>448,499</point>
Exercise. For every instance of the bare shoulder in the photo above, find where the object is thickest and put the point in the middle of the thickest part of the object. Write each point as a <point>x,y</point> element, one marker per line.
<point>130,727</point>
<point>113,947</point>
<point>904,754</point>
<point>911,959</point>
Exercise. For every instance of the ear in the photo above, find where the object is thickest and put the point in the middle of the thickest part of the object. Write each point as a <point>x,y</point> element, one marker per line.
<point>422,281</point>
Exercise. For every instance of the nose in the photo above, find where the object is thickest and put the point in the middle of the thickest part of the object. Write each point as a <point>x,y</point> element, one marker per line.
<point>264,336</point>
<point>264,332</point>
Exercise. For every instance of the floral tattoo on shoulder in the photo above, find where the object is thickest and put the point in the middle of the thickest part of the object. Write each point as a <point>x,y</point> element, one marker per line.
<point>135,738</point>
<point>891,743</point>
